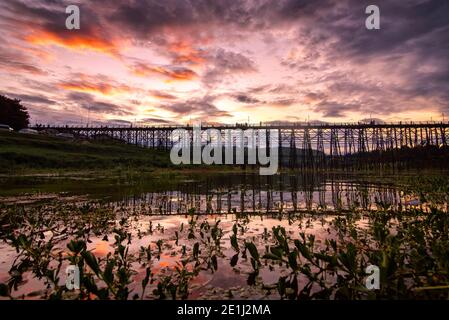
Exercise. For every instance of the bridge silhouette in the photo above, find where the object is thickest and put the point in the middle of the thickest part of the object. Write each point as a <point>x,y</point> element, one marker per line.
<point>307,144</point>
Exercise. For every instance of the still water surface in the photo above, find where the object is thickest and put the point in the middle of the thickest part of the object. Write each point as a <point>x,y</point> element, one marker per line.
<point>156,213</point>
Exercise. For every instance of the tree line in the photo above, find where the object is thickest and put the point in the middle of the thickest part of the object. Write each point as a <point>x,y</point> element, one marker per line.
<point>13,113</point>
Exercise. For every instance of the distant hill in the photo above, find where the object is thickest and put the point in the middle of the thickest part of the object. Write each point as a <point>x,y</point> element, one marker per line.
<point>287,156</point>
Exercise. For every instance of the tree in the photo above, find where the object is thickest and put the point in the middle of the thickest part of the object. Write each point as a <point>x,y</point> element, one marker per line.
<point>13,113</point>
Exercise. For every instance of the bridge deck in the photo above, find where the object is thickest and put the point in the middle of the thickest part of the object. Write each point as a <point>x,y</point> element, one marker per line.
<point>255,126</point>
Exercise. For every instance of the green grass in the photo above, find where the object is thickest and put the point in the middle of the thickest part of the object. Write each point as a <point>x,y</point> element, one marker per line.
<point>20,152</point>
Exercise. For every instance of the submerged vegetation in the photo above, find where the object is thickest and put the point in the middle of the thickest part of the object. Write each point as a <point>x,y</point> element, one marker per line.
<point>135,253</point>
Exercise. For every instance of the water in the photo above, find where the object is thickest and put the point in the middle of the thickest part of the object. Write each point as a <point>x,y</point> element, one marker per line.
<point>167,219</point>
<point>220,193</point>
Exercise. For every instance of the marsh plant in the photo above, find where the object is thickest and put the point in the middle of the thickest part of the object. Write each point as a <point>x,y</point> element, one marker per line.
<point>302,255</point>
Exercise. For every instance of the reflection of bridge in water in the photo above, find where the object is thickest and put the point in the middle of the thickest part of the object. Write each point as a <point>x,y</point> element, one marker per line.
<point>303,144</point>
<point>272,194</point>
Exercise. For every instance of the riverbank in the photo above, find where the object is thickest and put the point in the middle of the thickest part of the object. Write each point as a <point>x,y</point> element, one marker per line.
<point>28,156</point>
<point>20,153</point>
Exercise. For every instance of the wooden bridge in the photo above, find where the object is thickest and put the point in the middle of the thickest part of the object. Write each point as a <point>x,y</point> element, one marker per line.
<point>307,143</point>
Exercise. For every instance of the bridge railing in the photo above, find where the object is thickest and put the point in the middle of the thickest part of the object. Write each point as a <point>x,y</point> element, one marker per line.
<point>244,125</point>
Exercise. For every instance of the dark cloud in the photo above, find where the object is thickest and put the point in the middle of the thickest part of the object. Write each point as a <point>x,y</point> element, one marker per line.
<point>14,61</point>
<point>334,109</point>
<point>43,21</point>
<point>171,72</point>
<point>149,17</point>
<point>29,98</point>
<point>279,95</point>
<point>259,89</point>
<point>14,66</point>
<point>200,107</point>
<point>155,121</point>
<point>314,96</point>
<point>243,98</point>
<point>119,122</point>
<point>412,43</point>
<point>284,89</point>
<point>370,120</point>
<point>162,95</point>
<point>402,21</point>
<point>337,53</point>
<point>282,102</point>
<point>228,61</point>
<point>404,25</point>
<point>89,103</point>
<point>224,63</point>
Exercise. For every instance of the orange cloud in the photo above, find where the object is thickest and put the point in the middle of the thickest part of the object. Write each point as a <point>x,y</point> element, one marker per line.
<point>185,53</point>
<point>174,73</point>
<point>162,95</point>
<point>99,84</point>
<point>74,41</point>
<point>91,88</point>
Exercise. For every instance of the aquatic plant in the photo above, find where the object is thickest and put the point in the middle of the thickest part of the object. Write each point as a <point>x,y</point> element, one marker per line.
<point>146,259</point>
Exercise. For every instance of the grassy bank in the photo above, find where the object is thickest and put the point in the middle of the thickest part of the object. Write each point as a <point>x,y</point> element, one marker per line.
<point>28,155</point>
<point>22,152</point>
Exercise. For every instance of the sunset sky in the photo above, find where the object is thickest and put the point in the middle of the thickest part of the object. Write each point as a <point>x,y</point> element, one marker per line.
<point>222,61</point>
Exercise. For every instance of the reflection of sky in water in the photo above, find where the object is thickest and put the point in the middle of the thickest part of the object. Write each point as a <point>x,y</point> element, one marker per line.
<point>223,197</point>
<point>227,277</point>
